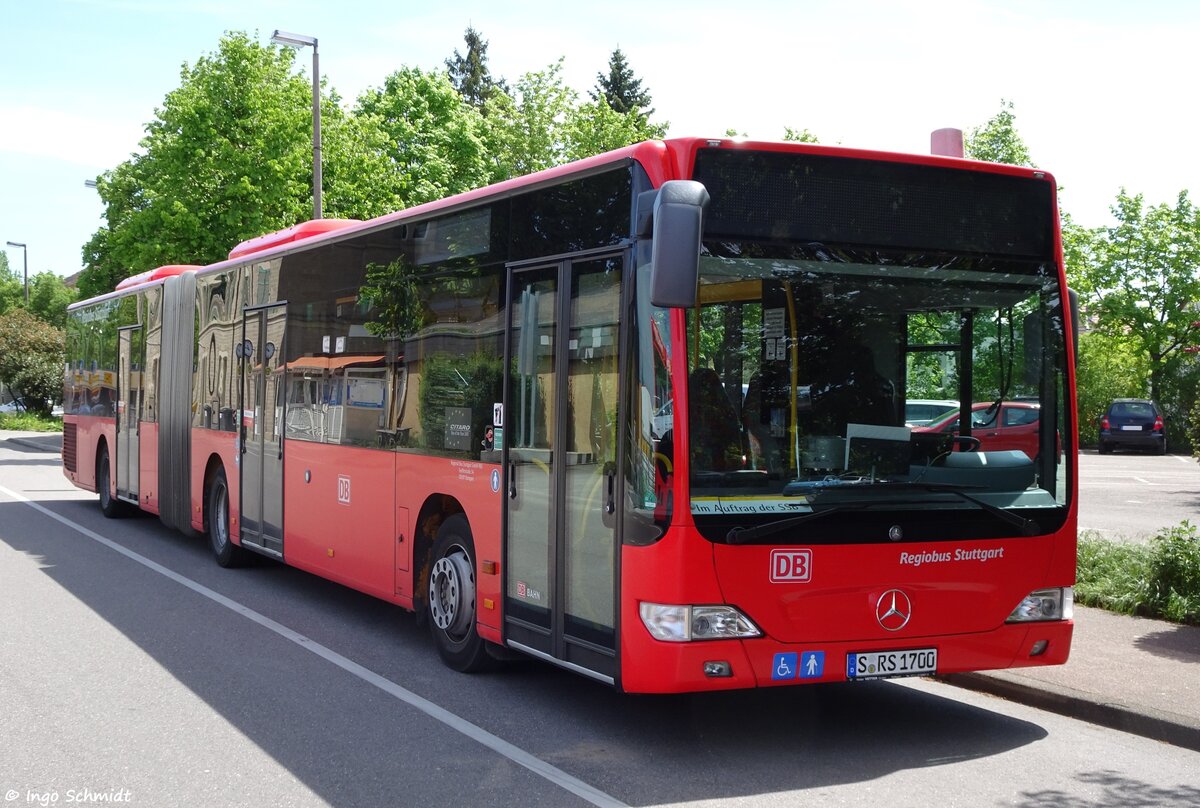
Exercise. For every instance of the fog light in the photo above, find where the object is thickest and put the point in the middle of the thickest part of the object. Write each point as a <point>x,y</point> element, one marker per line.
<point>1039,648</point>
<point>717,670</point>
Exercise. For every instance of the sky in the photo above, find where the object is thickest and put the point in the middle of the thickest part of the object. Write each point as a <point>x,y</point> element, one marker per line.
<point>1103,90</point>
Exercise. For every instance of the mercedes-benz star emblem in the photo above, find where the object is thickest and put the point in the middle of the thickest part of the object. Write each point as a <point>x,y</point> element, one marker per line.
<point>893,610</point>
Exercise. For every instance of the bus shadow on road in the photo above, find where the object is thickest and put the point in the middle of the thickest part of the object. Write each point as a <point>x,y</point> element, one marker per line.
<point>641,749</point>
<point>747,743</point>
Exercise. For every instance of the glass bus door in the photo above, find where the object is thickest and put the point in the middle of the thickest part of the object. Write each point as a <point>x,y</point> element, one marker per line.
<point>561,397</point>
<point>260,357</point>
<point>129,397</point>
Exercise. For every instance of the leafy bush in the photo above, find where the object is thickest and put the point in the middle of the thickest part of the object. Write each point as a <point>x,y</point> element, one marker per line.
<point>1174,581</point>
<point>30,422</point>
<point>1160,579</point>
<point>32,353</point>
<point>1111,574</point>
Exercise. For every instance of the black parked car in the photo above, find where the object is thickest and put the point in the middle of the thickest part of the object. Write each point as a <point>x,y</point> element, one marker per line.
<point>1133,423</point>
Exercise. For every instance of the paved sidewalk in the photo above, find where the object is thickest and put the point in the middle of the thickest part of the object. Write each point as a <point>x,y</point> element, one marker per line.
<point>1128,673</point>
<point>40,441</point>
<point>1132,674</point>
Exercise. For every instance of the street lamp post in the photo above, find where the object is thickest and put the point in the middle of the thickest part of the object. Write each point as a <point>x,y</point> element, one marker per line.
<point>25,257</point>
<point>301,41</point>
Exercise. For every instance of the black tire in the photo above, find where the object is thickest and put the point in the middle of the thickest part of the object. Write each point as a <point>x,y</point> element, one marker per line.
<point>110,506</point>
<point>216,505</point>
<point>1104,448</point>
<point>452,598</point>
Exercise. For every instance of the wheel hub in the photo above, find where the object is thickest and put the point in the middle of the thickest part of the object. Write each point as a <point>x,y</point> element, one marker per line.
<point>452,594</point>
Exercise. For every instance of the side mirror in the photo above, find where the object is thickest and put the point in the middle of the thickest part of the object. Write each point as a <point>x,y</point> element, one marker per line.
<point>678,223</point>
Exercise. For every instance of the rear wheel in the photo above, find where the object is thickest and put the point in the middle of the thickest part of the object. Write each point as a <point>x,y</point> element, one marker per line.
<point>217,502</point>
<point>452,598</point>
<point>110,506</point>
<point>1104,448</point>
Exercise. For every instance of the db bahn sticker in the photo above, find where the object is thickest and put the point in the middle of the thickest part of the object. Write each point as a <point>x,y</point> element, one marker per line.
<point>791,566</point>
<point>343,489</point>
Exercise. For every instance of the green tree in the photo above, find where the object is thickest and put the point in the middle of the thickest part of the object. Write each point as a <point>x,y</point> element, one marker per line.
<point>526,131</point>
<point>596,127</point>
<point>12,286</point>
<point>1107,367</point>
<point>49,298</point>
<point>799,135</point>
<point>433,141</point>
<point>32,353</point>
<point>227,157</point>
<point>1141,285</point>
<point>622,89</point>
<point>469,73</point>
<point>997,140</point>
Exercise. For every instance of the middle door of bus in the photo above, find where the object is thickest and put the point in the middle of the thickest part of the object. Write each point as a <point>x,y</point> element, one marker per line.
<point>561,398</point>
<point>260,356</point>
<point>129,397</point>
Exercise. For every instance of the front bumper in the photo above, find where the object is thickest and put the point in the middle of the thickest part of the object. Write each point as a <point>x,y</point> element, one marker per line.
<point>650,666</point>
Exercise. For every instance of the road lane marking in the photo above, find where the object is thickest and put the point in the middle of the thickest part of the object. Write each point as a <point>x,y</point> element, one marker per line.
<point>514,753</point>
<point>1145,481</point>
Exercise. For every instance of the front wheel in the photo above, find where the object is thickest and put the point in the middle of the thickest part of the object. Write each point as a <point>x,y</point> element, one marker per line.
<point>110,506</point>
<point>452,598</point>
<point>217,502</point>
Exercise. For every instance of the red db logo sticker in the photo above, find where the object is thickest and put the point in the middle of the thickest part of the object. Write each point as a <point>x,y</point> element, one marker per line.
<point>791,565</point>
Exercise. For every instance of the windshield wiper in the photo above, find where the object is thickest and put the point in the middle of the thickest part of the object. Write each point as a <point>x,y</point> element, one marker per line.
<point>1028,527</point>
<point>742,535</point>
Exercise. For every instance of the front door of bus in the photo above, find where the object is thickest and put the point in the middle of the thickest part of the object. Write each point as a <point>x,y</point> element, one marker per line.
<point>129,397</point>
<point>260,356</point>
<point>559,438</point>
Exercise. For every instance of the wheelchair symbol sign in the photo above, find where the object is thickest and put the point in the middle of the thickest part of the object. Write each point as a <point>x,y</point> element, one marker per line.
<point>785,666</point>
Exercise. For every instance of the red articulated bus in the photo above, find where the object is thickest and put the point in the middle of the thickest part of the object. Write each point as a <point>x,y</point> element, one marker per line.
<point>640,416</point>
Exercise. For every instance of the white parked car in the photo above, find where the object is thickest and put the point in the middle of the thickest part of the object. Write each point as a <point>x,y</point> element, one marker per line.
<point>924,411</point>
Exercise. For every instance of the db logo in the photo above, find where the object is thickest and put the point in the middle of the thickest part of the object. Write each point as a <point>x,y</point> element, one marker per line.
<point>791,565</point>
<point>343,489</point>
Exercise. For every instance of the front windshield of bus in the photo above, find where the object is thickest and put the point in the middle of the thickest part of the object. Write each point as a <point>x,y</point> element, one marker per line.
<point>801,364</point>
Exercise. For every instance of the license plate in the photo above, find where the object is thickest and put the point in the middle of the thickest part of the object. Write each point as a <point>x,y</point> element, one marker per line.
<point>886,664</point>
<point>1131,428</point>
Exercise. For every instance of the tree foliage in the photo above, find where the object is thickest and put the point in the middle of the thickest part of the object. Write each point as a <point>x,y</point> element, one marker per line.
<point>997,140</point>
<point>228,157</point>
<point>49,298</point>
<point>799,135</point>
<point>469,72</point>
<point>12,286</point>
<point>1140,274</point>
<point>432,141</point>
<point>32,353</point>
<point>622,89</point>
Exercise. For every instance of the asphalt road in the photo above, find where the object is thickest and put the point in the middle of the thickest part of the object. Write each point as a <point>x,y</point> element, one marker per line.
<point>1134,496</point>
<point>131,665</point>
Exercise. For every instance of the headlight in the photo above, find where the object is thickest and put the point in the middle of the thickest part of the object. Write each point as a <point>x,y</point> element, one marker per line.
<point>1045,604</point>
<point>687,623</point>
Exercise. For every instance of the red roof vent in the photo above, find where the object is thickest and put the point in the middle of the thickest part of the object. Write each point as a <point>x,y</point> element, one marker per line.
<point>296,232</point>
<point>157,274</point>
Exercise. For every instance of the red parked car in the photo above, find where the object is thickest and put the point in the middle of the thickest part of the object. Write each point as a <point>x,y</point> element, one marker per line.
<point>1011,425</point>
